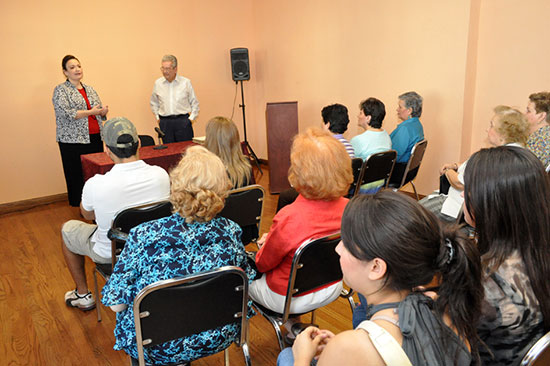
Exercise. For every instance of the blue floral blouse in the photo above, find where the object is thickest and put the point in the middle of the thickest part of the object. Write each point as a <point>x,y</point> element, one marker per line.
<point>164,249</point>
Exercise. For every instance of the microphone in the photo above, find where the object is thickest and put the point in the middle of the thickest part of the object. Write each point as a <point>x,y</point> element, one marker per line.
<point>160,136</point>
<point>160,133</point>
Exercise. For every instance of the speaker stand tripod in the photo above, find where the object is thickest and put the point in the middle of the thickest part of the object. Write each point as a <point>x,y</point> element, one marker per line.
<point>247,145</point>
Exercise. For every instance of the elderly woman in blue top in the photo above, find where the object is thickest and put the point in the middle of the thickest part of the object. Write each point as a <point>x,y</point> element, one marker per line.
<point>407,133</point>
<point>189,241</point>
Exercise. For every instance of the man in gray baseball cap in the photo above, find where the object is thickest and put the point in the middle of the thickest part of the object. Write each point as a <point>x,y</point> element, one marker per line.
<point>131,182</point>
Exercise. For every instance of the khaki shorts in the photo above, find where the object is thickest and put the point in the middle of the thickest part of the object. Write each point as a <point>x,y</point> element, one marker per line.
<point>77,236</point>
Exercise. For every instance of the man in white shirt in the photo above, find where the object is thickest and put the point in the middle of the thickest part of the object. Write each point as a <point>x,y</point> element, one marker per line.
<point>174,103</point>
<point>131,182</point>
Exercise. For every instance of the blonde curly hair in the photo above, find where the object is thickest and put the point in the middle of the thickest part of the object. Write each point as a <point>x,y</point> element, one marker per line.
<point>320,167</point>
<point>199,185</point>
<point>512,125</point>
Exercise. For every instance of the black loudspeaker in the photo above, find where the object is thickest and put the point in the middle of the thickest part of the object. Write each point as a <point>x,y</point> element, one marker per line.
<point>240,69</point>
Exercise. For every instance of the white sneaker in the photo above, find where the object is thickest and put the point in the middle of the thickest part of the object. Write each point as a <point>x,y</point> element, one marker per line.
<point>84,302</point>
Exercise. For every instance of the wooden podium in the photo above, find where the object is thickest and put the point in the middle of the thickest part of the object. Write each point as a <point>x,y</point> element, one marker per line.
<point>281,127</point>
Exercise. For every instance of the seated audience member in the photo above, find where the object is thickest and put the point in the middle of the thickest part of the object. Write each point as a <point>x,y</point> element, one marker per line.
<point>390,245</point>
<point>335,120</point>
<point>222,138</point>
<point>507,197</point>
<point>375,139</point>
<point>189,241</point>
<point>507,127</point>
<point>131,182</point>
<point>320,170</point>
<point>407,133</point>
<point>538,115</point>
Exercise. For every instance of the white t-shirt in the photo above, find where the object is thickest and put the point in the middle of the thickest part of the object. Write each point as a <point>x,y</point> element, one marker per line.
<point>125,185</point>
<point>370,142</point>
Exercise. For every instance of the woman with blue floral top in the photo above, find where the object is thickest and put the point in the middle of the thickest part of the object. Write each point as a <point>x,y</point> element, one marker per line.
<point>191,240</point>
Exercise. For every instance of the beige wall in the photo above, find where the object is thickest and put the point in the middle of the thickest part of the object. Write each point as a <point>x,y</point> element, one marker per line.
<point>464,57</point>
<point>120,44</point>
<point>512,60</point>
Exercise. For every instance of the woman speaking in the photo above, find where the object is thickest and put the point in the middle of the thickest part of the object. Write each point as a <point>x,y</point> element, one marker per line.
<point>79,115</point>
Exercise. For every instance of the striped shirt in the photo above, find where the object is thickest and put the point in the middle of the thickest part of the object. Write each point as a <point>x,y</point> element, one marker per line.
<point>346,144</point>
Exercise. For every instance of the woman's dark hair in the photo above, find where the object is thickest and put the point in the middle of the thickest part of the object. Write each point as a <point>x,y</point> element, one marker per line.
<point>337,117</point>
<point>416,246</point>
<point>67,59</point>
<point>507,194</point>
<point>375,109</point>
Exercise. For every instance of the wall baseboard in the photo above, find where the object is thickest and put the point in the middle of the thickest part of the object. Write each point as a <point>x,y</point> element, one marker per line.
<point>31,203</point>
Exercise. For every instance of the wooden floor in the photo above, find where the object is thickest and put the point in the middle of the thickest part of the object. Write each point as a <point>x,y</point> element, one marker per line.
<point>37,328</point>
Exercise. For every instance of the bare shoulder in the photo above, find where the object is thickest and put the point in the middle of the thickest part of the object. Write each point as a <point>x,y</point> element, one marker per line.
<point>352,347</point>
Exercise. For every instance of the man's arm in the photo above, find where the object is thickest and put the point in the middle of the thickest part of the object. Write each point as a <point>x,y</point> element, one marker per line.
<point>88,215</point>
<point>155,102</point>
<point>194,103</point>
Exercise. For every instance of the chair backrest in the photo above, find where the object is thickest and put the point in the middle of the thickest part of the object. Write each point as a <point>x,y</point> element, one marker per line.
<point>180,307</point>
<point>315,264</point>
<point>356,167</point>
<point>539,353</point>
<point>245,207</point>
<point>417,153</point>
<point>377,167</point>
<point>128,218</point>
<point>146,140</point>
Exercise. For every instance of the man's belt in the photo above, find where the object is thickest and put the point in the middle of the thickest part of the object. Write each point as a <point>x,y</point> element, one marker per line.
<point>176,116</point>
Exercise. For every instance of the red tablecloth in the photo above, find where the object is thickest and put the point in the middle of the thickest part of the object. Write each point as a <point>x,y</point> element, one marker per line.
<point>100,163</point>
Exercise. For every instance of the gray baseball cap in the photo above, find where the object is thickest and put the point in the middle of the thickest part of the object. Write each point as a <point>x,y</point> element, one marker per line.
<point>116,127</point>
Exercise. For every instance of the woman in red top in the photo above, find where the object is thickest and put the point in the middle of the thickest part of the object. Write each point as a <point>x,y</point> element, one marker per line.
<point>320,171</point>
<point>79,117</point>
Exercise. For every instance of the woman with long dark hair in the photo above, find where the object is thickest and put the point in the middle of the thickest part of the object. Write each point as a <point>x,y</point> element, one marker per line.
<point>507,200</point>
<point>390,245</point>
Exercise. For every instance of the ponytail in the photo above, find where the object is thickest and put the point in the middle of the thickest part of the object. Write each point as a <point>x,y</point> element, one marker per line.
<point>461,290</point>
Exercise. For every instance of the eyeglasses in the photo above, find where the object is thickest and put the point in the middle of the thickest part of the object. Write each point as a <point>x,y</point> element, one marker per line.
<point>167,68</point>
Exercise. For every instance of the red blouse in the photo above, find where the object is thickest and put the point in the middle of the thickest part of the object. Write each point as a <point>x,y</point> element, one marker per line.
<point>304,219</point>
<point>93,126</point>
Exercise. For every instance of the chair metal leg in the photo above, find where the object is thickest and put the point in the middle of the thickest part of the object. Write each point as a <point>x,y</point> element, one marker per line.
<point>247,361</point>
<point>414,189</point>
<point>98,303</point>
<point>277,324</point>
<point>313,317</point>
<point>226,356</point>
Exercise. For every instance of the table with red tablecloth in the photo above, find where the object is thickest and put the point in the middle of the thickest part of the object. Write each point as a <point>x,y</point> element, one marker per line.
<point>100,163</point>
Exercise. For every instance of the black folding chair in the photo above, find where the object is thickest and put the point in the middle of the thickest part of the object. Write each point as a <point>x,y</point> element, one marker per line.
<point>245,207</point>
<point>123,222</point>
<point>180,307</point>
<point>356,167</point>
<point>412,167</point>
<point>377,167</point>
<point>539,353</point>
<point>315,265</point>
<point>146,140</point>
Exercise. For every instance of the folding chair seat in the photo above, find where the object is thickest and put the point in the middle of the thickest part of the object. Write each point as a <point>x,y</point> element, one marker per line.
<point>180,307</point>
<point>244,206</point>
<point>315,265</point>
<point>123,222</point>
